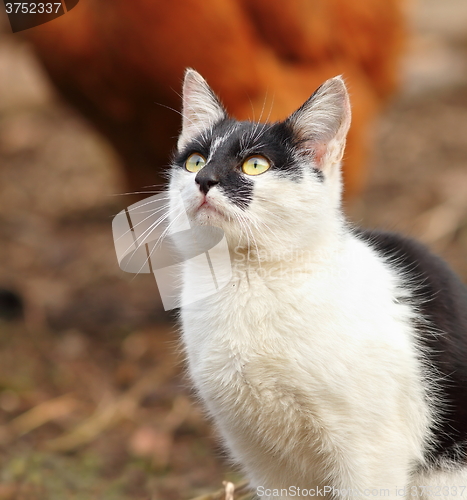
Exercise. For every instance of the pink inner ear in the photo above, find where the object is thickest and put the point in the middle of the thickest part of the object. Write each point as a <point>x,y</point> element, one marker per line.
<point>317,151</point>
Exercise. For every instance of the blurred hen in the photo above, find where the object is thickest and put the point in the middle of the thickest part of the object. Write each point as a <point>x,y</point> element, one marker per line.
<point>117,61</point>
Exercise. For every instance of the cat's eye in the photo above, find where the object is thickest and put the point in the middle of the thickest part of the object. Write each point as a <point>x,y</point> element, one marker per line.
<point>195,162</point>
<point>255,165</point>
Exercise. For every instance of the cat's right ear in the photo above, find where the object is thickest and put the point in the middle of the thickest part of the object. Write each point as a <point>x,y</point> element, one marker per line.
<point>322,122</point>
<point>201,108</point>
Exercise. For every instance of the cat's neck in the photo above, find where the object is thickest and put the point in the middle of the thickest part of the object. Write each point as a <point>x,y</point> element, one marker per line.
<point>312,249</point>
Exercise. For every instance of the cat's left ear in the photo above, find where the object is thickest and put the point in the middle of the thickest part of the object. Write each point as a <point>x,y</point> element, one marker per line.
<point>322,122</point>
<point>201,108</point>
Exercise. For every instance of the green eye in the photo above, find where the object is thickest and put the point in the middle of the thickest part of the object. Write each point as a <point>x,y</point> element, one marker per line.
<point>255,165</point>
<point>195,162</point>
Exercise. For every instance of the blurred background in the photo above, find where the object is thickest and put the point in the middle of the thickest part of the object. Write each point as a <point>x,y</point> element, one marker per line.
<point>93,399</point>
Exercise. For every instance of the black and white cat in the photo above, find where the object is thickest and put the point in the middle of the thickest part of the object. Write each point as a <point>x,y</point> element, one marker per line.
<point>335,360</point>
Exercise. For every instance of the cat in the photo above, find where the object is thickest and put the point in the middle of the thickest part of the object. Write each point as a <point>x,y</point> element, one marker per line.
<point>334,363</point>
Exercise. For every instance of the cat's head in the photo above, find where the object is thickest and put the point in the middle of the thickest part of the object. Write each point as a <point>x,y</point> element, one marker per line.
<point>263,184</point>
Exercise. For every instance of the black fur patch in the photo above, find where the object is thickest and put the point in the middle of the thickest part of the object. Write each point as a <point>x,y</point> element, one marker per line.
<point>442,299</point>
<point>274,141</point>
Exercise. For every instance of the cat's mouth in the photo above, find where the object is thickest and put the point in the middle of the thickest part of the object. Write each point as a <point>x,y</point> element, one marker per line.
<point>206,212</point>
<point>206,205</point>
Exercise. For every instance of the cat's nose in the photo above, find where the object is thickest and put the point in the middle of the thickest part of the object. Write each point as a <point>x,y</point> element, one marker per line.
<point>206,180</point>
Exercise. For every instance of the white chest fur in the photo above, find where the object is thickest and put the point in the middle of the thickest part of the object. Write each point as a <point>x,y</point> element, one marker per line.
<point>311,377</point>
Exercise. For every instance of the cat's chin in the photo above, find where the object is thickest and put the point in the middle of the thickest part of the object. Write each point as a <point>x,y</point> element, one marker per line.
<point>207,215</point>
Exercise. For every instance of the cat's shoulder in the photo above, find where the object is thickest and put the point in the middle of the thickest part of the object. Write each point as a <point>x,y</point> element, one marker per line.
<point>410,257</point>
<point>440,298</point>
<point>441,295</point>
